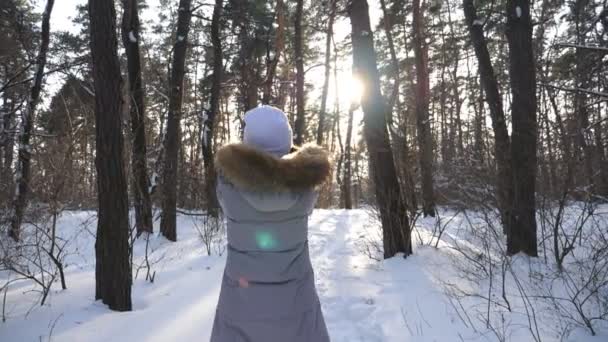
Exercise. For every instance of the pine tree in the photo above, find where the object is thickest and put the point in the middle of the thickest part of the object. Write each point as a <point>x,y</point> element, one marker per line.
<point>168,224</point>
<point>425,141</point>
<point>112,264</point>
<point>141,194</point>
<point>522,234</point>
<point>328,38</point>
<point>391,204</point>
<point>502,143</point>
<point>209,123</point>
<point>300,125</point>
<point>27,125</point>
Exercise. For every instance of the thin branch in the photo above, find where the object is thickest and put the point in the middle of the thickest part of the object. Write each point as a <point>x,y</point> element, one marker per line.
<point>585,47</point>
<point>576,90</point>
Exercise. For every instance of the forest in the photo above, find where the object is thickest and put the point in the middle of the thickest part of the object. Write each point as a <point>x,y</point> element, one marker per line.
<point>469,161</point>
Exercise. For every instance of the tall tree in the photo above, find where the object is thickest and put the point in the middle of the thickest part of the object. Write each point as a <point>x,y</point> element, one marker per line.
<point>328,38</point>
<point>6,145</point>
<point>391,204</point>
<point>112,266</point>
<point>522,234</point>
<point>172,140</point>
<point>388,24</point>
<point>425,141</point>
<point>273,61</point>
<point>209,122</point>
<point>584,64</point>
<point>502,144</point>
<point>141,194</point>
<point>244,17</point>
<point>27,124</point>
<point>299,56</point>
<point>347,179</point>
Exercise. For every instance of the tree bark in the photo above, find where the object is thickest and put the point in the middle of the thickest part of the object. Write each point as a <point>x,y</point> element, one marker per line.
<point>173,140</point>
<point>522,235</point>
<point>502,144</point>
<point>388,22</point>
<point>27,124</point>
<point>425,143</point>
<point>328,37</point>
<point>299,56</point>
<point>347,179</point>
<point>479,126</point>
<point>6,147</point>
<point>456,100</point>
<point>279,43</point>
<point>391,204</point>
<point>248,86</point>
<point>112,269</point>
<point>582,78</point>
<point>603,162</point>
<point>209,122</point>
<point>137,111</point>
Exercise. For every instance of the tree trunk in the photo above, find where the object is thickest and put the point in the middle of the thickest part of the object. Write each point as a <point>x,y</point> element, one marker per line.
<point>278,49</point>
<point>300,125</point>
<point>409,186</point>
<point>209,122</point>
<point>456,100</point>
<point>347,179</point>
<point>248,87</point>
<point>388,22</point>
<point>447,139</point>
<point>479,125</point>
<point>173,140</point>
<point>141,183</point>
<point>601,155</point>
<point>6,114</point>
<point>6,148</point>
<point>27,124</point>
<point>502,144</point>
<point>425,142</point>
<point>552,167</point>
<point>112,269</point>
<point>522,235</point>
<point>582,76</point>
<point>328,38</point>
<point>392,207</point>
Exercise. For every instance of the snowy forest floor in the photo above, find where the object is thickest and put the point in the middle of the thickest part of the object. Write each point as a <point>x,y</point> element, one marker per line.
<point>363,299</point>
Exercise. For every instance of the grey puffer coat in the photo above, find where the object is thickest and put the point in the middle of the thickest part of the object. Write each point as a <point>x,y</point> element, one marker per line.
<point>268,292</point>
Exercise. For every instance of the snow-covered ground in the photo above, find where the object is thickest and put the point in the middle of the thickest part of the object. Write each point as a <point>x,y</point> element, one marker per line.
<point>395,300</point>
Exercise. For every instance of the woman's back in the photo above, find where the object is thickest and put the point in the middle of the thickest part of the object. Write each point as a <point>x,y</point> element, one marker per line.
<point>268,291</point>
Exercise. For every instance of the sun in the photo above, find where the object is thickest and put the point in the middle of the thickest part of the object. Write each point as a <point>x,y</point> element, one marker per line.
<point>353,89</point>
<point>347,89</point>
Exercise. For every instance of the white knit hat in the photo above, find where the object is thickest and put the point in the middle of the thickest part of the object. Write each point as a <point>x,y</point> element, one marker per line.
<point>267,128</point>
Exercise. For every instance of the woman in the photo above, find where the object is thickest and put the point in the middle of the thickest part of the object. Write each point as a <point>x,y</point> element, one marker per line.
<point>267,191</point>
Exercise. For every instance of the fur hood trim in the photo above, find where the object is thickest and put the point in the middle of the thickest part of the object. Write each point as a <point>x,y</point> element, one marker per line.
<point>251,169</point>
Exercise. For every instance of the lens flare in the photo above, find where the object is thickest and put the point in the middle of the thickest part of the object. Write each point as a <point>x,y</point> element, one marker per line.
<point>265,240</point>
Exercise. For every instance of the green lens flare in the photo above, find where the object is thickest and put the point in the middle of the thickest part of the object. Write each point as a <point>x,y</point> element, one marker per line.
<point>265,240</point>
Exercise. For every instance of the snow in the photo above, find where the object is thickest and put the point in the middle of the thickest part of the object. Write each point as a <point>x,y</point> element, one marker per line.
<point>180,38</point>
<point>478,22</point>
<point>364,33</point>
<point>395,300</point>
<point>518,11</point>
<point>132,37</point>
